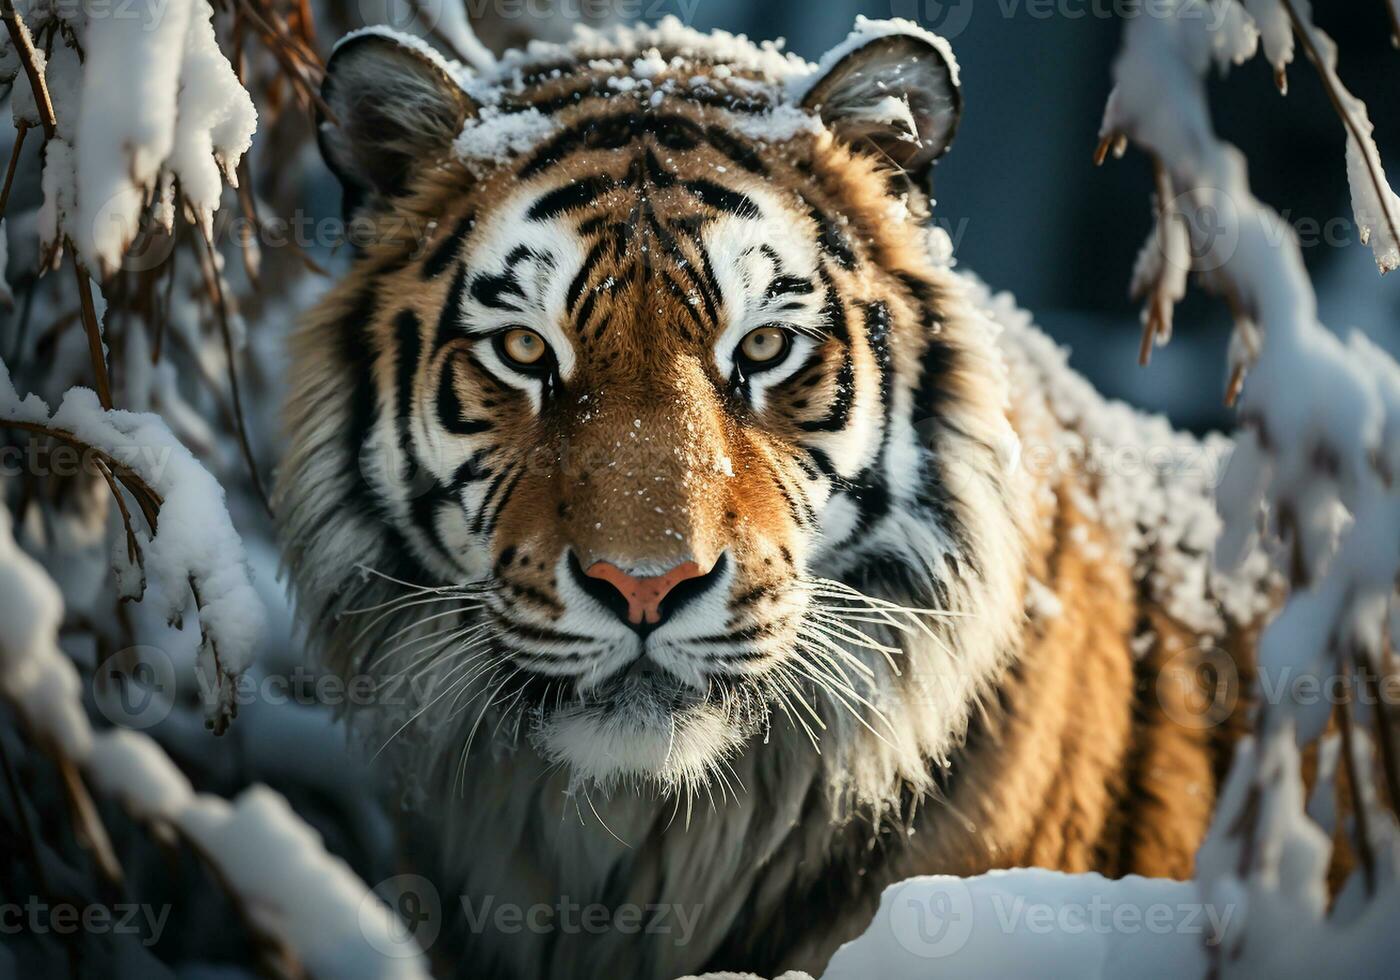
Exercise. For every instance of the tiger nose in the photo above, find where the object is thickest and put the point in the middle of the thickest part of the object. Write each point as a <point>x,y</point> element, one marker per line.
<point>644,595</point>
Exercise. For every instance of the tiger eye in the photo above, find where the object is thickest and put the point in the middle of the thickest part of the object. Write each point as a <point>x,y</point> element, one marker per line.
<point>763,345</point>
<point>524,347</point>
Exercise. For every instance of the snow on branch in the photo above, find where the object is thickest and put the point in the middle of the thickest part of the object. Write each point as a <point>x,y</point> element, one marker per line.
<point>307,908</point>
<point>1316,465</point>
<point>190,550</point>
<point>171,133</point>
<point>306,904</point>
<point>1376,206</point>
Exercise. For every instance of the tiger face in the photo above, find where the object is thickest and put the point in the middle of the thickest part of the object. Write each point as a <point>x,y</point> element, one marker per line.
<point>642,384</point>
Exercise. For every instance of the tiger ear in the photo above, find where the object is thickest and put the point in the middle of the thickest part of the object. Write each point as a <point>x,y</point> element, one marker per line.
<point>396,104</point>
<point>891,88</point>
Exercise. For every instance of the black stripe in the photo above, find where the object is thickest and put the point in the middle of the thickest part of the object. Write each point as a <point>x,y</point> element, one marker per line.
<point>423,510</point>
<point>789,286</point>
<point>357,353</point>
<point>832,238</point>
<point>585,313</point>
<point>449,407</point>
<point>872,497</point>
<point>537,596</point>
<point>450,319</point>
<point>799,507</point>
<point>474,470</point>
<point>570,197</point>
<point>409,343</point>
<point>541,634</point>
<point>735,149</point>
<point>684,298</point>
<point>938,362</point>
<point>480,521</point>
<point>489,524</point>
<point>723,199</point>
<point>840,414</point>
<point>448,249</point>
<point>488,290</point>
<point>595,255</point>
<point>835,314</point>
<point>704,278</point>
<point>657,173</point>
<point>615,131</point>
<point>744,635</point>
<point>753,596</point>
<point>834,311</point>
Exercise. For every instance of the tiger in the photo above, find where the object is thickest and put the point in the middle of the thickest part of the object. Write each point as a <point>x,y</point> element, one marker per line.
<point>712,543</point>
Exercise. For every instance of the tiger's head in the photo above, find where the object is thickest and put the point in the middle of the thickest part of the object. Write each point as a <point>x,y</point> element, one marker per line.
<point>643,425</point>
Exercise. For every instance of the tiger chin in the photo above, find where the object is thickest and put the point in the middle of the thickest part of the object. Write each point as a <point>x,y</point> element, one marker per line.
<point>712,545</point>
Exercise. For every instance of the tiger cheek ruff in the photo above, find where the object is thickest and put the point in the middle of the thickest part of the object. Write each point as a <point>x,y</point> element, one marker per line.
<point>710,544</point>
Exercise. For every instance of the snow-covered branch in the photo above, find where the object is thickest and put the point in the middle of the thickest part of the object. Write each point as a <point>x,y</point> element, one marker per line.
<point>307,906</point>
<point>1315,464</point>
<point>191,549</point>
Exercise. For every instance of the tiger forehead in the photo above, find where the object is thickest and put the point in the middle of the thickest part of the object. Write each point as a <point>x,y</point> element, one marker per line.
<point>644,213</point>
<point>706,82</point>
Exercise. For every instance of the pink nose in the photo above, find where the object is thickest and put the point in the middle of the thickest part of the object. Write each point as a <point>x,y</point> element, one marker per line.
<point>645,593</point>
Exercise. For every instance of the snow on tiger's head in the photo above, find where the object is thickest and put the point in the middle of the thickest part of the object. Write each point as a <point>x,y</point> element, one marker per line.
<point>646,372</point>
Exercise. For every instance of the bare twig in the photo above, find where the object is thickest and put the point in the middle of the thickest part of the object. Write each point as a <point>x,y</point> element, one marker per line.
<point>216,722</point>
<point>1387,726</point>
<point>145,496</point>
<point>90,826</point>
<point>1365,853</point>
<point>94,336</point>
<point>1160,304</point>
<point>20,131</point>
<point>1235,386</point>
<point>133,547</point>
<point>295,60</point>
<point>162,317</point>
<point>216,293</point>
<point>28,57</point>
<point>252,254</point>
<point>1115,143</point>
